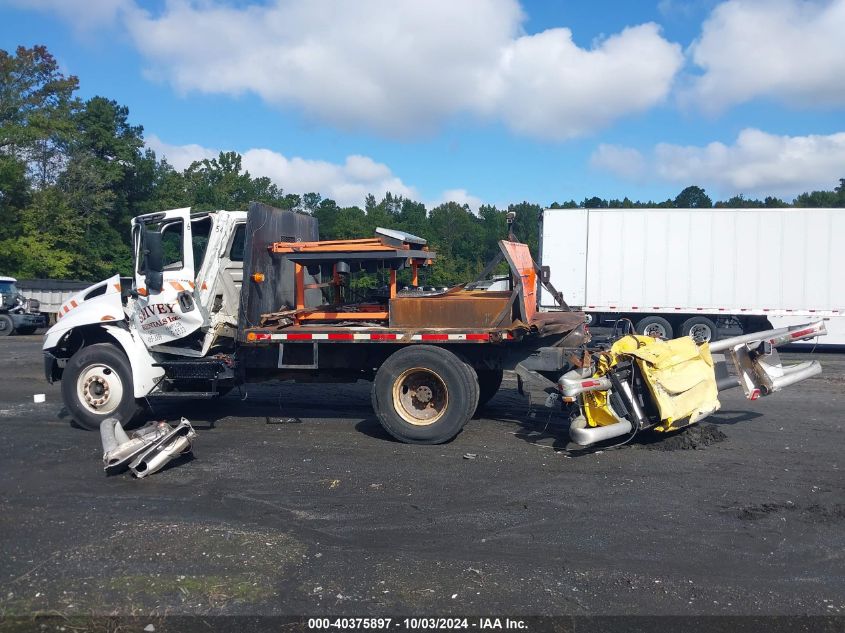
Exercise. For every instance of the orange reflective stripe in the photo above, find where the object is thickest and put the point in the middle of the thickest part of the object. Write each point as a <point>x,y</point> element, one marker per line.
<point>177,286</point>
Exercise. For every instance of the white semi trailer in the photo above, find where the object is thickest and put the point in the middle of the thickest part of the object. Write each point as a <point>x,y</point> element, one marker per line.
<point>706,272</point>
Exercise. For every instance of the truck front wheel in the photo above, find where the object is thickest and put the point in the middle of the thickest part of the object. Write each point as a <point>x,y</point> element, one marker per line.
<point>424,394</point>
<point>97,384</point>
<point>7,326</point>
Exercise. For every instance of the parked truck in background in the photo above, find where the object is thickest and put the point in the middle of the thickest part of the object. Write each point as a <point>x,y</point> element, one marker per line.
<point>51,294</point>
<point>710,273</point>
<point>18,314</point>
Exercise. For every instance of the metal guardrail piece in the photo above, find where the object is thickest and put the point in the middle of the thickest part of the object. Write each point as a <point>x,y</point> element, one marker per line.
<point>758,366</point>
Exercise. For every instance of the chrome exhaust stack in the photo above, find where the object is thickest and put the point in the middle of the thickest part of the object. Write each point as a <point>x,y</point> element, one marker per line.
<point>175,443</point>
<point>585,435</point>
<point>577,381</point>
<point>146,450</point>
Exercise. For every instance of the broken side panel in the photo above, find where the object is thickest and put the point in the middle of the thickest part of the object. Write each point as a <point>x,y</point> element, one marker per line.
<point>264,226</point>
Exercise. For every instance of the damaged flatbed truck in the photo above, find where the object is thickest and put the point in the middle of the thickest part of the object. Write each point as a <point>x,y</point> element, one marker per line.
<point>220,299</point>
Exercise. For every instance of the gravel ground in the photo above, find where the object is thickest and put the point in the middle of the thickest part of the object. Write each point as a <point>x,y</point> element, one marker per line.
<point>296,502</point>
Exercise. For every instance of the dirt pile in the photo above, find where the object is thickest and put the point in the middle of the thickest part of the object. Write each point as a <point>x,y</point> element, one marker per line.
<point>695,437</point>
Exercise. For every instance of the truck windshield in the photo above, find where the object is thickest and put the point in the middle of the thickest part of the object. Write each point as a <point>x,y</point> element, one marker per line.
<point>8,287</point>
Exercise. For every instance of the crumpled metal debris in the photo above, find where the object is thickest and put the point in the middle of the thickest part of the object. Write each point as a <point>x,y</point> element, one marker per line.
<point>146,450</point>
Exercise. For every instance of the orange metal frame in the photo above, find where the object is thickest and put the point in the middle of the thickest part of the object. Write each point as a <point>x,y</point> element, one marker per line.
<point>372,313</point>
<point>339,246</point>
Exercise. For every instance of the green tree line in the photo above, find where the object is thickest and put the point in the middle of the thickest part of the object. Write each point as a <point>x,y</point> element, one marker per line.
<point>74,172</point>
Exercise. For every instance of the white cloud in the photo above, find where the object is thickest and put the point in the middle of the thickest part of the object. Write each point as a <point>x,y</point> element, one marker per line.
<point>790,50</point>
<point>347,183</point>
<point>397,67</point>
<point>547,87</point>
<point>623,161</point>
<point>758,163</point>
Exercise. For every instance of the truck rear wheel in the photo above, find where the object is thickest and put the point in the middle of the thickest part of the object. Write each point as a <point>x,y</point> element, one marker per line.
<point>654,326</point>
<point>700,328</point>
<point>7,326</point>
<point>424,394</point>
<point>489,381</point>
<point>97,384</point>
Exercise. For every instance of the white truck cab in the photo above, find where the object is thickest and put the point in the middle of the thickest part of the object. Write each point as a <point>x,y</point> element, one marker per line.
<point>112,340</point>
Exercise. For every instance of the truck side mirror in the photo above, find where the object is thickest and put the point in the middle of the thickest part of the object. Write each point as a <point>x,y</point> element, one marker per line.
<point>153,260</point>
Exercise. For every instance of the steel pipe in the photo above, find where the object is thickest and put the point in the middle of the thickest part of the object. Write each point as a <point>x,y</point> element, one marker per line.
<point>585,436</point>
<point>777,337</point>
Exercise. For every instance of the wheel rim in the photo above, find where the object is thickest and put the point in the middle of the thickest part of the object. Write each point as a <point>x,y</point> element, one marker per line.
<point>420,396</point>
<point>99,389</point>
<point>655,329</point>
<point>701,332</point>
<point>5,325</point>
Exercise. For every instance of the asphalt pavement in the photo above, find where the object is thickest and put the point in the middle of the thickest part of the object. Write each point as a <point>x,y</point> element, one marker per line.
<point>295,502</point>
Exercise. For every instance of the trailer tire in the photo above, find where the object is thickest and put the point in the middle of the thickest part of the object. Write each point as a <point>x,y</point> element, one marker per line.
<point>7,326</point>
<point>701,329</point>
<point>97,384</point>
<point>489,381</point>
<point>424,394</point>
<point>653,324</point>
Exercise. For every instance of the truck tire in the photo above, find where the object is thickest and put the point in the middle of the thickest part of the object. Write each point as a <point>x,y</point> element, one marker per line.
<point>27,330</point>
<point>7,326</point>
<point>424,394</point>
<point>97,384</point>
<point>489,381</point>
<point>700,328</point>
<point>654,326</point>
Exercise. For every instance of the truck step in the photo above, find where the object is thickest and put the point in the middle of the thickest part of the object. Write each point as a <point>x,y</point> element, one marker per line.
<point>194,395</point>
<point>195,369</point>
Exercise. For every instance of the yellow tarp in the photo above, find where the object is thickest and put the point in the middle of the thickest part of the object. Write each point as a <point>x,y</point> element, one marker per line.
<point>679,374</point>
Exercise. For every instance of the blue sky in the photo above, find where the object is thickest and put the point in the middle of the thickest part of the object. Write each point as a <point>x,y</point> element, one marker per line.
<point>492,101</point>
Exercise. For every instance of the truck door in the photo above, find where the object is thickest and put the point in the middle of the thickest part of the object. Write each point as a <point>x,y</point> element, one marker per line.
<point>169,313</point>
<point>219,273</point>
